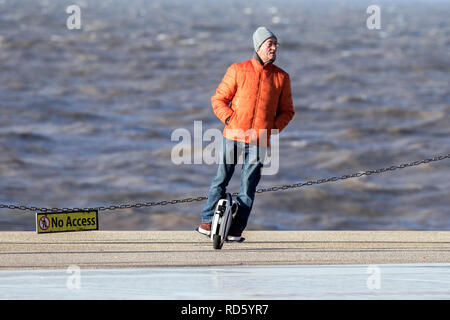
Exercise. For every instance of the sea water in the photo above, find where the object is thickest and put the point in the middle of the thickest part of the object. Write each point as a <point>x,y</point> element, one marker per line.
<point>86,116</point>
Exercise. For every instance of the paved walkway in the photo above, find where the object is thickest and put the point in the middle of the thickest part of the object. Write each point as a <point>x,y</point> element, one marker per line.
<point>129,249</point>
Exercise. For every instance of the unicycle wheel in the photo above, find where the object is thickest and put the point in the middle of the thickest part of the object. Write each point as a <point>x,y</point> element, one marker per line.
<point>217,241</point>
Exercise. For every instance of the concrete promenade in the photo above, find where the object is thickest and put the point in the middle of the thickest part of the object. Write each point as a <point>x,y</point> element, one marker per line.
<point>137,249</point>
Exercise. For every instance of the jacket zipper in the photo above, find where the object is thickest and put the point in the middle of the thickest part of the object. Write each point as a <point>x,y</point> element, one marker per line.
<point>257,98</point>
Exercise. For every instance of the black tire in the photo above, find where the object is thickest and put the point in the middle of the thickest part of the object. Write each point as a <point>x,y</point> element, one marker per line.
<point>217,242</point>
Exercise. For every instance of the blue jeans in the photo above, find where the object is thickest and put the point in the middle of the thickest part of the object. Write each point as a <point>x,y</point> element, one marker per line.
<point>250,176</point>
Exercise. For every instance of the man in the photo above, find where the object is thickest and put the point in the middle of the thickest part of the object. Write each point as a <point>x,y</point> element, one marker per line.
<point>253,98</point>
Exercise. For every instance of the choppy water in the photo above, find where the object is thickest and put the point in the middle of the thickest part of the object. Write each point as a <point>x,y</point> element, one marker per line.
<point>86,115</point>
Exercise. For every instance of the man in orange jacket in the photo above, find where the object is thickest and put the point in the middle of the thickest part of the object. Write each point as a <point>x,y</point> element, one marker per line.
<point>253,99</point>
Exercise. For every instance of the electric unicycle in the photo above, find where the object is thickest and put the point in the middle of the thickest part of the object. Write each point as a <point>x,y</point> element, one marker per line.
<point>223,216</point>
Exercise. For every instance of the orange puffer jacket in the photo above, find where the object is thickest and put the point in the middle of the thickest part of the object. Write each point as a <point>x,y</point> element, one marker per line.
<point>256,98</point>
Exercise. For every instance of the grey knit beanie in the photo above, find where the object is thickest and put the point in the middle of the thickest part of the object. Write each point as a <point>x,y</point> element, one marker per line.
<point>260,35</point>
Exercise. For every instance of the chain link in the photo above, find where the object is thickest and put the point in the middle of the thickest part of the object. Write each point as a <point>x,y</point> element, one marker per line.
<point>201,198</point>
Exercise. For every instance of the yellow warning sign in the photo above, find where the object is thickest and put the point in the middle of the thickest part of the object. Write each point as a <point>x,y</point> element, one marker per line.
<point>66,221</point>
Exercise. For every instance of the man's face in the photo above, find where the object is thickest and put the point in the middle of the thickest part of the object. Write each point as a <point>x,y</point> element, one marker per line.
<point>268,50</point>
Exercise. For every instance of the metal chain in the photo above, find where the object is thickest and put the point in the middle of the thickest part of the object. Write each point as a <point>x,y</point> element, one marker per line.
<point>201,198</point>
<point>354,175</point>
